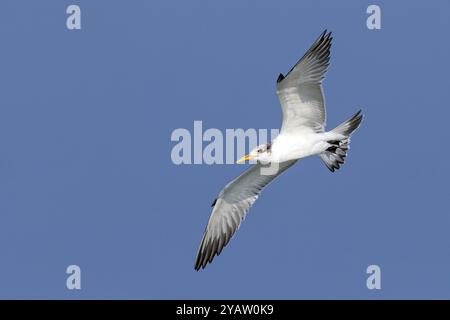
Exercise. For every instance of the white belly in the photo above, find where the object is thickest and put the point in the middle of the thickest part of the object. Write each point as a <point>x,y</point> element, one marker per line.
<point>289,147</point>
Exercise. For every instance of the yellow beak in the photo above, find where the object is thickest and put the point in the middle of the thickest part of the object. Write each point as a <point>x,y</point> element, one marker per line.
<point>244,158</point>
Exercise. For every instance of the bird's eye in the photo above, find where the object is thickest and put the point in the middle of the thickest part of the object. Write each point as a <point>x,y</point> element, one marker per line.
<point>259,150</point>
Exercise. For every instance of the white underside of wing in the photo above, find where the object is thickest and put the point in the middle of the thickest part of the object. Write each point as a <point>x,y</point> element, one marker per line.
<point>230,209</point>
<point>300,91</point>
<point>303,108</point>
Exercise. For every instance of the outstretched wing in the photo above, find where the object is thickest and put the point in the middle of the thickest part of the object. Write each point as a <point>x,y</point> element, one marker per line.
<point>230,208</point>
<point>300,91</point>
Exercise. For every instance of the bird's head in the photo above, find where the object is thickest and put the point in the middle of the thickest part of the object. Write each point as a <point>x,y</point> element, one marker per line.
<point>260,153</point>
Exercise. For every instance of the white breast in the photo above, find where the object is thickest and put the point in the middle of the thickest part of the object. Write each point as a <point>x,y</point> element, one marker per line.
<point>296,146</point>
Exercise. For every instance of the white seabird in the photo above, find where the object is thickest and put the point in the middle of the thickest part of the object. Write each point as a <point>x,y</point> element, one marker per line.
<point>302,135</point>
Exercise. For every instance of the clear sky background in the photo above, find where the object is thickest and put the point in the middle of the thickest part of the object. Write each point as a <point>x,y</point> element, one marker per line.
<point>86,176</point>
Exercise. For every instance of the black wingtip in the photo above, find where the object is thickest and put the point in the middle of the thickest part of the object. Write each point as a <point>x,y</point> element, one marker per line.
<point>280,78</point>
<point>326,35</point>
<point>359,116</point>
<point>198,264</point>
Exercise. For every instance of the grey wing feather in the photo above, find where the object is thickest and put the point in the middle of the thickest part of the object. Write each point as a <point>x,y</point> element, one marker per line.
<point>300,91</point>
<point>230,209</point>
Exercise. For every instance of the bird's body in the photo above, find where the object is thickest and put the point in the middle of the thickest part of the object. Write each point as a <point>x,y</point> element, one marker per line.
<point>291,146</point>
<point>302,135</point>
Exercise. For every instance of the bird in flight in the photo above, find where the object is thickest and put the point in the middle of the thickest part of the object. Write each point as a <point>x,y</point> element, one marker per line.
<point>302,135</point>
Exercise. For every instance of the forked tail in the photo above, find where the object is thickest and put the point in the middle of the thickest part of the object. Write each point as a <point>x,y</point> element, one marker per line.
<point>335,155</point>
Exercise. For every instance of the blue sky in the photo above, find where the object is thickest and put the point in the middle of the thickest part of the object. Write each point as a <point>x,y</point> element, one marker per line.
<point>86,176</point>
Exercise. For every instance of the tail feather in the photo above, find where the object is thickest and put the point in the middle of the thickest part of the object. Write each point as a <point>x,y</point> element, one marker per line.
<point>335,155</point>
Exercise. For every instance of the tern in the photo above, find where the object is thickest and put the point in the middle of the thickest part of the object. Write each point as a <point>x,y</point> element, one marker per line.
<point>302,135</point>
